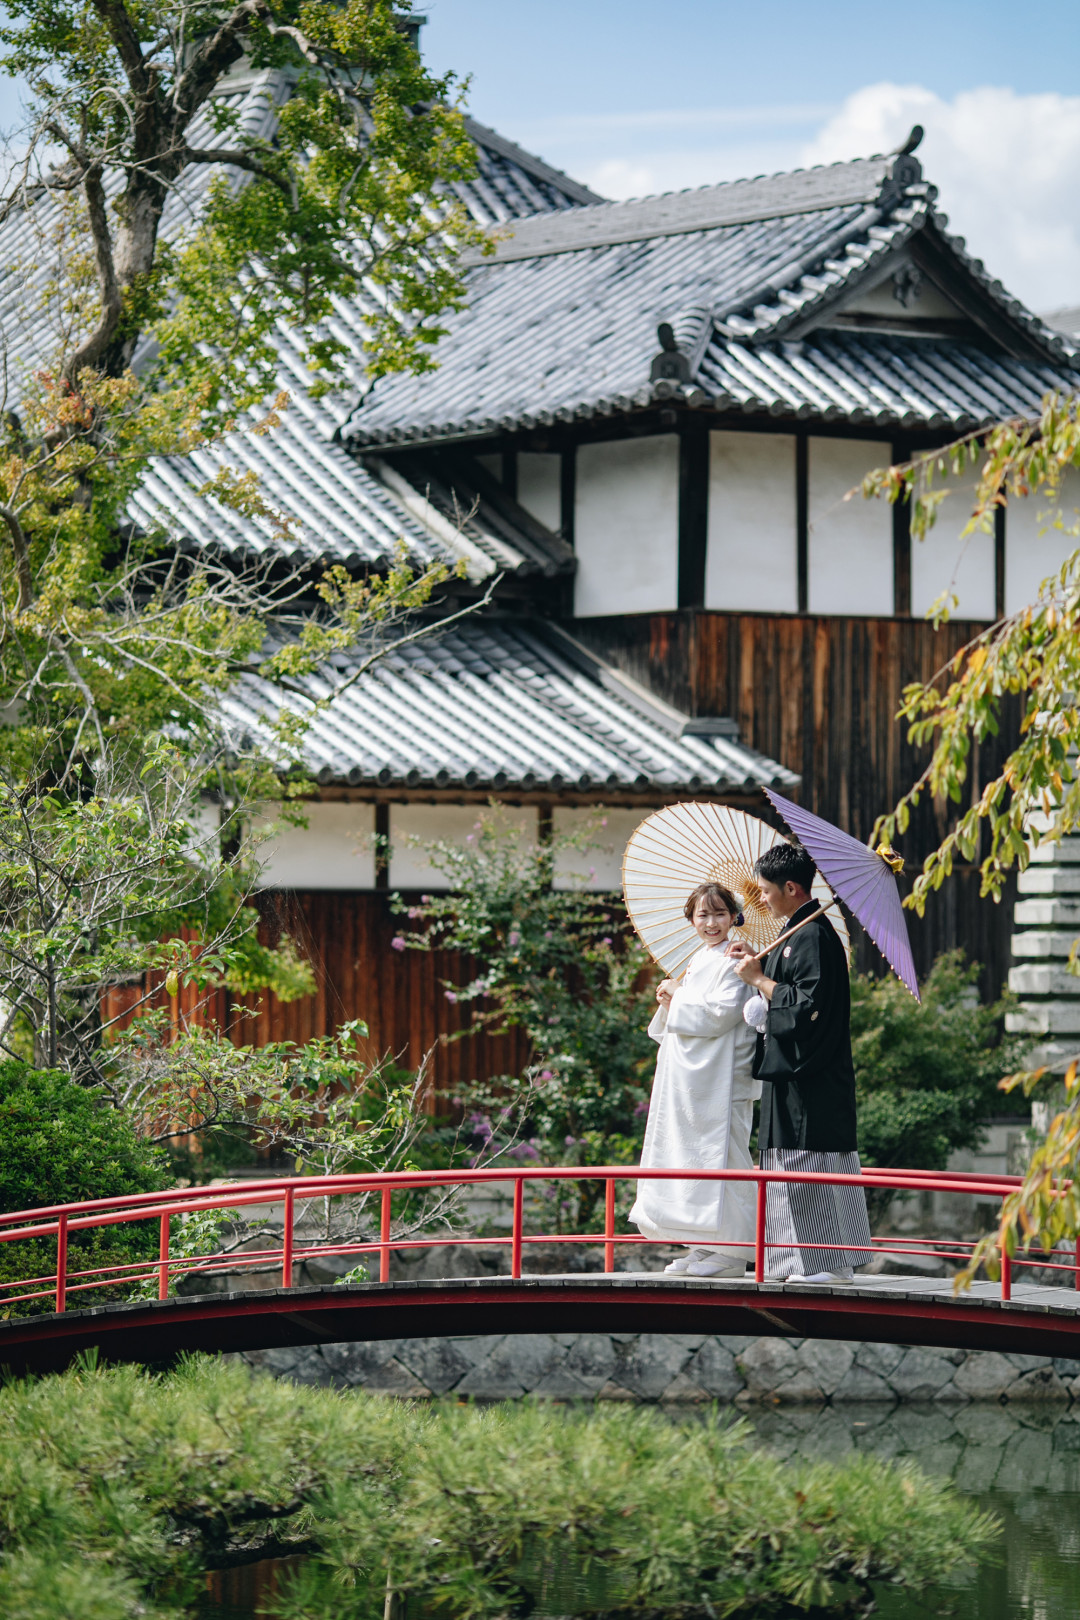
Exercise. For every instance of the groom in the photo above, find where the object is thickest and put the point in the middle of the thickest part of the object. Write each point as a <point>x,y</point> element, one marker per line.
<point>814,1233</point>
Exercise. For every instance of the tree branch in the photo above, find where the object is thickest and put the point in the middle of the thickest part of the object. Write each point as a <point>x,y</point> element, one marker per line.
<point>92,348</point>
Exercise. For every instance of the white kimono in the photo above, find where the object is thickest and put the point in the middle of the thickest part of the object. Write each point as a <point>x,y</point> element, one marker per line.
<point>701,1112</point>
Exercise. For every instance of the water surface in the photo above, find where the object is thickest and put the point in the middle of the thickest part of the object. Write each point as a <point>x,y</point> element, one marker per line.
<point>1021,1463</point>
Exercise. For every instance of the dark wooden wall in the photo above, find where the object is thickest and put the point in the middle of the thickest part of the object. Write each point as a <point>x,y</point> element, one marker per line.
<point>400,995</point>
<point>821,696</point>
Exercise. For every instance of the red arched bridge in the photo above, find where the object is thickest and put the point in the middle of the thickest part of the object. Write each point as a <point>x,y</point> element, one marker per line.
<point>79,1307</point>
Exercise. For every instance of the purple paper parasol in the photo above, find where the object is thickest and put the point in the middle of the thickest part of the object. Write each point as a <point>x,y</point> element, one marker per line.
<point>861,878</point>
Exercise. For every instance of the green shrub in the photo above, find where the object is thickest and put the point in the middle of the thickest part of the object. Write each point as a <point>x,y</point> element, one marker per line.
<point>60,1144</point>
<point>458,1511</point>
<point>926,1073</point>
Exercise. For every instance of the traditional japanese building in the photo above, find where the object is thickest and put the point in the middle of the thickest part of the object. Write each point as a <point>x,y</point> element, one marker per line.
<point>641,438</point>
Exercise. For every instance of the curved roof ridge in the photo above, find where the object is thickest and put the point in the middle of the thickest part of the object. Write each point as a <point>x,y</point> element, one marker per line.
<point>862,182</point>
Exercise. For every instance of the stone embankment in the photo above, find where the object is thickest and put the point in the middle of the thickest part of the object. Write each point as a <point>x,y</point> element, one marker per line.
<point>677,1368</point>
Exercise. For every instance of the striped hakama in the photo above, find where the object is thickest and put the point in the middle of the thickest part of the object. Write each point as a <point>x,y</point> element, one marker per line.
<point>812,1227</point>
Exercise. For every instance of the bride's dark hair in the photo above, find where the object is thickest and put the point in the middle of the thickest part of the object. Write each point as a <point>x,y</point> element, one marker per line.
<point>716,894</point>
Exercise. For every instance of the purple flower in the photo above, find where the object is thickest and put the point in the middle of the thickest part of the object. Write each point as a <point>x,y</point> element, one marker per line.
<point>603,821</point>
<point>470,838</point>
<point>570,1140</point>
<point>413,911</point>
<point>397,943</point>
<point>545,1074</point>
<point>450,995</point>
<point>548,934</point>
<point>513,937</point>
<point>524,1150</point>
<point>641,1108</point>
<point>606,940</point>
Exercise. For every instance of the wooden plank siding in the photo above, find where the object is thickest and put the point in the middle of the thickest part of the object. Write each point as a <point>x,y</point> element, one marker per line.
<point>399,994</point>
<point>821,695</point>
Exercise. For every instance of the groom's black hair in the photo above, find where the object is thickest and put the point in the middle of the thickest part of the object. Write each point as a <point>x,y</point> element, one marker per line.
<point>786,863</point>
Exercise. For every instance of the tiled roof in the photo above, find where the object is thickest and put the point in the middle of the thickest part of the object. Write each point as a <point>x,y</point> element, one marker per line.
<point>503,705</point>
<point>563,322</point>
<point>340,512</point>
<point>887,380</point>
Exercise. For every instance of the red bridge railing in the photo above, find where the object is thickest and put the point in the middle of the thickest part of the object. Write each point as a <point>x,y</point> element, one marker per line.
<point>59,1222</point>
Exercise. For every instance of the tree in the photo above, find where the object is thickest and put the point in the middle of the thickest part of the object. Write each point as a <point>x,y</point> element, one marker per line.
<point>60,1143</point>
<point>156,229</point>
<point>121,1490</point>
<point>1030,659</point>
<point>156,234</point>
<point>558,965</point>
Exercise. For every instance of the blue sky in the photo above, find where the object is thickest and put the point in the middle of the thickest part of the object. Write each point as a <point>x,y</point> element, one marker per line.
<point>635,96</point>
<point>642,95</point>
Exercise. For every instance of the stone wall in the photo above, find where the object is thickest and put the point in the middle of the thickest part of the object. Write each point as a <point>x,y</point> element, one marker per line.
<point>676,1367</point>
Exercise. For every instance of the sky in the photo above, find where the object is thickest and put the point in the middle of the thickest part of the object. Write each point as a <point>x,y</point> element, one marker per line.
<point>637,96</point>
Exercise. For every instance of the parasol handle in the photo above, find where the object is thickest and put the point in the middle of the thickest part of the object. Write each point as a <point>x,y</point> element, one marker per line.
<point>779,941</point>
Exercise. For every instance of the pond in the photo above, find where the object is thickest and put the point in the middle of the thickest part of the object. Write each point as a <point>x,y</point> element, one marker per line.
<point>1022,1463</point>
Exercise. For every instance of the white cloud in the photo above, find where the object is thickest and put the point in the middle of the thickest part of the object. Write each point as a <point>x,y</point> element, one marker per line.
<point>1007,168</point>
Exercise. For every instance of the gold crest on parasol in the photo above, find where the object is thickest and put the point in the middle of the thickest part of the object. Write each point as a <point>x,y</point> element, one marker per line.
<point>686,844</point>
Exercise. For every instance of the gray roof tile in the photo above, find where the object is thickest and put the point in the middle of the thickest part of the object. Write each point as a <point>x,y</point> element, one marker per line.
<point>562,323</point>
<point>502,705</point>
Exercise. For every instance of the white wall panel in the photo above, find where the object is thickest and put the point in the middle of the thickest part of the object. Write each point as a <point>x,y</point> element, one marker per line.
<point>334,851</point>
<point>944,562</point>
<point>539,487</point>
<point>850,542</point>
<point>413,825</point>
<point>752,559</point>
<point>1034,548</point>
<point>600,865</point>
<point>626,526</point>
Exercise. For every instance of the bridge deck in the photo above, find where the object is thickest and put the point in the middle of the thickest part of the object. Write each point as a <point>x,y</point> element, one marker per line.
<point>1038,1320</point>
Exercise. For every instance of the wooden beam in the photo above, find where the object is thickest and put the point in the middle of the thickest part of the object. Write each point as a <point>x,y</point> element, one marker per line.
<point>802,520</point>
<point>999,562</point>
<point>510,473</point>
<point>567,492</point>
<point>693,510</point>
<point>901,540</point>
<point>382,846</point>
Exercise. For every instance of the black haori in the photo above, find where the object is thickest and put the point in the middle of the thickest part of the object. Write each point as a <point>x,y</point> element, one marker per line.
<point>811,1227</point>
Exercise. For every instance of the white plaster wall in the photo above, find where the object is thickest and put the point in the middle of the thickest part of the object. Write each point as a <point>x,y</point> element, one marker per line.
<point>539,486</point>
<point>850,542</point>
<point>334,851</point>
<point>626,526</point>
<point>1034,548</point>
<point>450,823</point>
<point>945,562</point>
<point>600,865</point>
<point>752,546</point>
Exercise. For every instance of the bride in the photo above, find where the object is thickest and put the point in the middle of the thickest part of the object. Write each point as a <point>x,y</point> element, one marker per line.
<point>702,1102</point>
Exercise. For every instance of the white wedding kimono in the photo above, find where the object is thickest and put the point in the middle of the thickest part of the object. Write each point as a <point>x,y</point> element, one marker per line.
<point>701,1112</point>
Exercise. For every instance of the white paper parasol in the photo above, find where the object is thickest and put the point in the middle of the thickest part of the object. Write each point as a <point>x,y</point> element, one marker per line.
<point>687,844</point>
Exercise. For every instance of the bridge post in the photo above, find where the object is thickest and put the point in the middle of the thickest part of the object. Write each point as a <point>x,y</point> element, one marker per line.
<point>61,1263</point>
<point>609,1224</point>
<point>384,1237</point>
<point>1006,1276</point>
<point>163,1260</point>
<point>515,1234</point>
<point>759,1236</point>
<point>287,1240</point>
